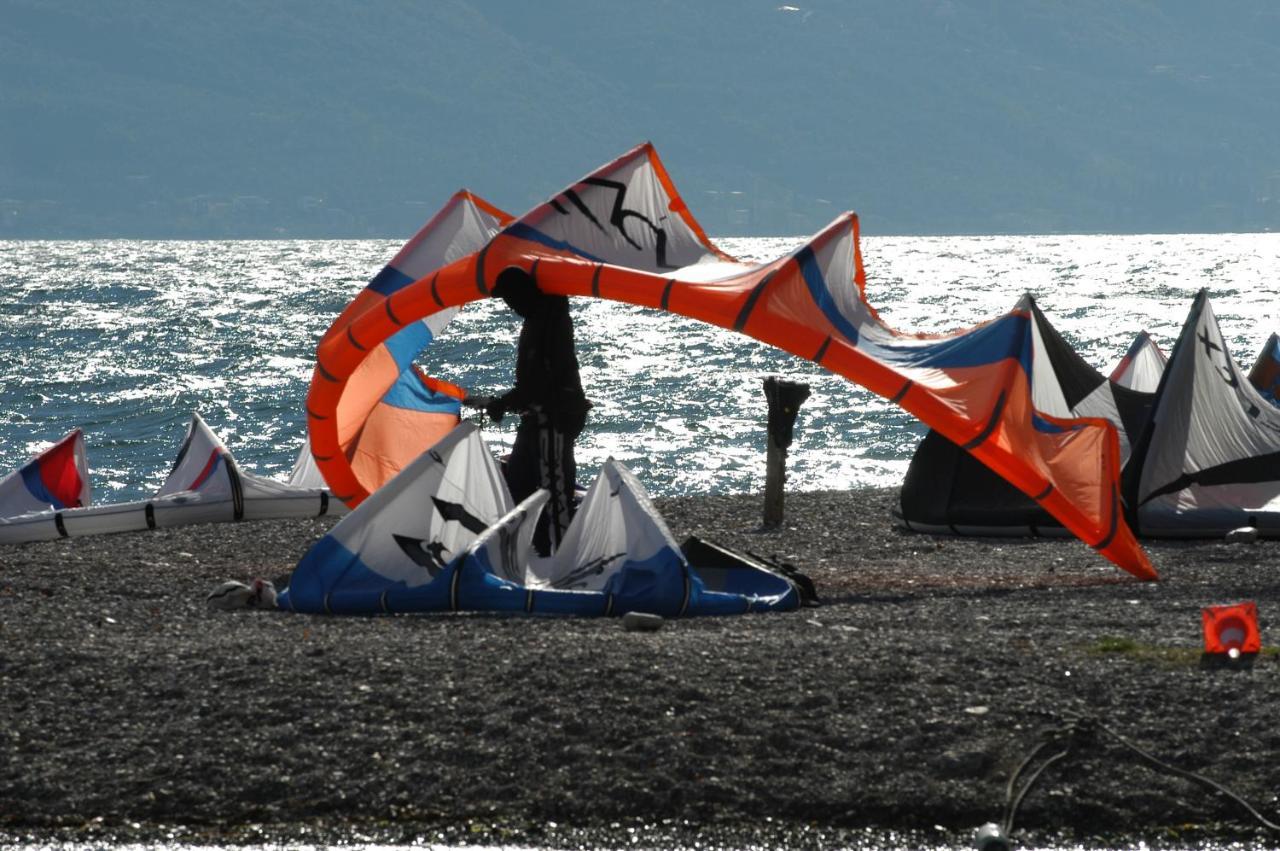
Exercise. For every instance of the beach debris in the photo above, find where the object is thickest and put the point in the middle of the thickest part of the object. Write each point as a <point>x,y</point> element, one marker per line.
<point>641,622</point>
<point>991,837</point>
<point>232,595</point>
<point>1243,535</point>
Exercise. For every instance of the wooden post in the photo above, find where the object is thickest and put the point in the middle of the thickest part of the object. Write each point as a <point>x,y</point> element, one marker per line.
<point>785,398</point>
<point>775,475</point>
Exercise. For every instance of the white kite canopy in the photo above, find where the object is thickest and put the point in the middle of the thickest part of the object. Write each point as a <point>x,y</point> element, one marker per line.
<point>55,479</point>
<point>1210,461</point>
<point>443,536</point>
<point>305,473</point>
<point>383,555</point>
<point>1141,367</point>
<point>616,522</point>
<point>205,485</point>
<point>948,491</point>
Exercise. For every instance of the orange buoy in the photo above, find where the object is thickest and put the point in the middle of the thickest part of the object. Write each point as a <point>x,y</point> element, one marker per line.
<point>1231,630</point>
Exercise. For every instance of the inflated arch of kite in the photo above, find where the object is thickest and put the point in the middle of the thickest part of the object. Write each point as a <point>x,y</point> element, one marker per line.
<point>623,233</point>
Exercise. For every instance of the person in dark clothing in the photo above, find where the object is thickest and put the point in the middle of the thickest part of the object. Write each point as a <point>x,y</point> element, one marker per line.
<point>548,396</point>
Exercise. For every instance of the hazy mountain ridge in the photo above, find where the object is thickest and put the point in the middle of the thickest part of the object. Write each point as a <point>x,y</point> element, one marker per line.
<point>324,118</point>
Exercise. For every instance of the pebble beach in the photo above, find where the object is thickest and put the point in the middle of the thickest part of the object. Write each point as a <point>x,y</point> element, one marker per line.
<point>900,706</point>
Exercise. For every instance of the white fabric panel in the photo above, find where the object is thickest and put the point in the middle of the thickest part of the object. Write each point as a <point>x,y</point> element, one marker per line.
<point>453,233</point>
<point>1102,403</point>
<point>458,470</point>
<point>1207,415</point>
<point>199,446</point>
<point>615,524</point>
<point>305,473</point>
<point>263,499</point>
<point>616,214</point>
<point>43,526</point>
<point>266,499</point>
<point>507,545</point>
<point>1046,388</point>
<point>1141,367</point>
<point>835,258</point>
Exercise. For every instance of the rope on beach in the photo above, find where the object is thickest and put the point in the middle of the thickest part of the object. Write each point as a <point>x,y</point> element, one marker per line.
<point>1081,729</point>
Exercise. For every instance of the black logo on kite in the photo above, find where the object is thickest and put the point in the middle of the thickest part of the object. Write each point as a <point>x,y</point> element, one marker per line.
<point>595,567</point>
<point>430,556</point>
<point>1228,372</point>
<point>618,216</point>
<point>455,511</point>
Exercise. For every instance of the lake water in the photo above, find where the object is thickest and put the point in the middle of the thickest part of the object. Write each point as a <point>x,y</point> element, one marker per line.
<point>127,338</point>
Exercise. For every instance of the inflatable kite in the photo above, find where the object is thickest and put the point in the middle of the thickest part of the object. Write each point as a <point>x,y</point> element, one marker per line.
<point>443,535</point>
<point>1142,365</point>
<point>48,498</point>
<point>56,479</point>
<point>624,233</point>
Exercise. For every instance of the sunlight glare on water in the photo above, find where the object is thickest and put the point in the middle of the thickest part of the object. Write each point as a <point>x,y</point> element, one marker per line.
<point>127,338</point>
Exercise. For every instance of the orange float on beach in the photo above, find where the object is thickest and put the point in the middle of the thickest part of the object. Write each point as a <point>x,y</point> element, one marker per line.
<point>1228,628</point>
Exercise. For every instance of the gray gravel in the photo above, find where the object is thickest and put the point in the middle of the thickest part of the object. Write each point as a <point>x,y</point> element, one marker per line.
<point>903,703</point>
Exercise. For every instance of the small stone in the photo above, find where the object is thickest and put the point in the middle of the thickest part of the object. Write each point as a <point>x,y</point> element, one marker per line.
<point>1243,535</point>
<point>641,622</point>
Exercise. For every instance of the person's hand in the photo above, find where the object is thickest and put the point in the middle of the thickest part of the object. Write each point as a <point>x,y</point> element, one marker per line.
<point>496,410</point>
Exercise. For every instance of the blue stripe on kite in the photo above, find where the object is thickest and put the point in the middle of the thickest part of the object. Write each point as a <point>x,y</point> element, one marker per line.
<point>821,294</point>
<point>322,571</point>
<point>31,478</point>
<point>522,231</point>
<point>409,392</point>
<point>1047,427</point>
<point>406,343</point>
<point>1006,337</point>
<point>388,281</point>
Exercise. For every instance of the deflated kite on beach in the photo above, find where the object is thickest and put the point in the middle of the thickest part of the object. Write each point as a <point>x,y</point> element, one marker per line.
<point>443,535</point>
<point>624,233</point>
<point>204,485</point>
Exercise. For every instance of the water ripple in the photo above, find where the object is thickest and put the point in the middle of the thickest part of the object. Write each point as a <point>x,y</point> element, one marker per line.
<point>126,338</point>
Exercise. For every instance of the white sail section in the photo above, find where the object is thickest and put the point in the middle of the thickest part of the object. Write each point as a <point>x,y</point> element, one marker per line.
<point>203,465</point>
<point>408,530</point>
<point>1212,462</point>
<point>505,549</point>
<point>1142,365</point>
<point>627,214</point>
<point>615,525</point>
<point>204,485</point>
<point>305,473</point>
